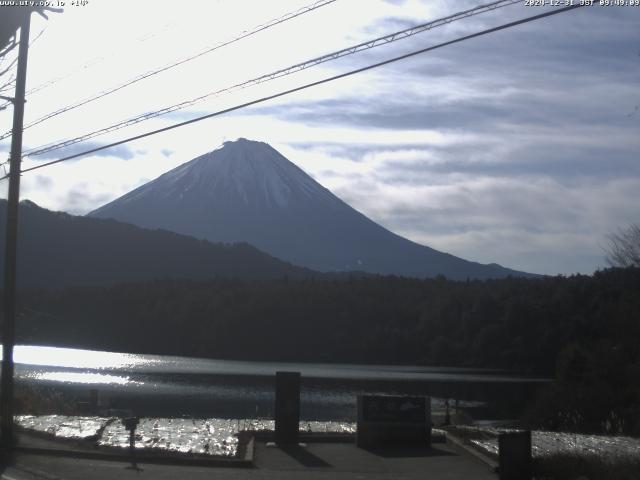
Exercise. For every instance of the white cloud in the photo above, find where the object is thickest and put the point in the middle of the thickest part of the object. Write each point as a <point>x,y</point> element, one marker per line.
<point>516,148</point>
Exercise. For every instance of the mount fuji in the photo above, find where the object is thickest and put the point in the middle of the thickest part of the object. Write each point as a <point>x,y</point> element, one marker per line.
<point>246,191</point>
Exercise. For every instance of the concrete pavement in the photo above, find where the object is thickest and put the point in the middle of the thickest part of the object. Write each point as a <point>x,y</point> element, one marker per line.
<point>315,461</point>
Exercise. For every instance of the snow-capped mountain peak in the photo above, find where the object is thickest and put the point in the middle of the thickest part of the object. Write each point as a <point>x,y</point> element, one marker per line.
<point>251,172</point>
<point>246,191</point>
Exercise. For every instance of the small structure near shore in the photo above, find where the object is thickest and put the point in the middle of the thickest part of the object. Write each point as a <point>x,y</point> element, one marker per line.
<point>514,451</point>
<point>387,419</point>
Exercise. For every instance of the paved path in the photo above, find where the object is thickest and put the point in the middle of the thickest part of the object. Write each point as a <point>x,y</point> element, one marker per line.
<point>322,461</point>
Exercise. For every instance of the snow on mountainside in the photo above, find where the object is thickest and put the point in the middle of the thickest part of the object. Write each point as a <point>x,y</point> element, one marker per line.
<point>253,173</point>
<point>247,191</point>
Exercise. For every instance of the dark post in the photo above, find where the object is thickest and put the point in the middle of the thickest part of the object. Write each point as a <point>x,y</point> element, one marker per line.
<point>287,411</point>
<point>94,398</point>
<point>9,298</point>
<point>514,449</point>
<point>447,414</point>
<point>130,423</point>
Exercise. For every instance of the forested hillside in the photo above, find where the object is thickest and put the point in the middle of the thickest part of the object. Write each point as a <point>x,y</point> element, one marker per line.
<point>510,323</point>
<point>582,330</point>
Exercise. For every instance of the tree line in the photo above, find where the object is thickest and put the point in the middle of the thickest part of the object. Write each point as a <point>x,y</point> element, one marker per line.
<point>512,323</point>
<point>583,330</point>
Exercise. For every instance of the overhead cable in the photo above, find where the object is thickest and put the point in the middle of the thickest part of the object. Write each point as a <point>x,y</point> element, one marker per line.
<point>393,37</point>
<point>308,85</point>
<point>151,73</point>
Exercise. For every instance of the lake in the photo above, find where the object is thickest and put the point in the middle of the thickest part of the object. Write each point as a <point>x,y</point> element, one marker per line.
<point>159,385</point>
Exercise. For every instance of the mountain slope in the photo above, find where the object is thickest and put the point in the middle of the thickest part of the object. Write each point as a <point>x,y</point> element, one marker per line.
<point>57,249</point>
<point>247,191</point>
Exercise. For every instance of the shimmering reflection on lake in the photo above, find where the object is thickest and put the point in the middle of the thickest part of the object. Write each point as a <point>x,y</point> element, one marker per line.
<point>166,385</point>
<point>140,363</point>
<point>75,358</point>
<point>80,378</point>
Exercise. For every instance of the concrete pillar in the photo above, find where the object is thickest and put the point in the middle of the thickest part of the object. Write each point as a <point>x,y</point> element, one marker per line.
<point>287,411</point>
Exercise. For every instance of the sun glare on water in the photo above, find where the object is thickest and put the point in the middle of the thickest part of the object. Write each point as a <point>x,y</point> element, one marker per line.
<point>74,358</point>
<point>82,378</point>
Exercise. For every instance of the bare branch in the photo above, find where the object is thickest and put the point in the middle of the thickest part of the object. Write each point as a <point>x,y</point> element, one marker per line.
<point>8,48</point>
<point>37,37</point>
<point>623,249</point>
<point>8,84</point>
<point>13,62</point>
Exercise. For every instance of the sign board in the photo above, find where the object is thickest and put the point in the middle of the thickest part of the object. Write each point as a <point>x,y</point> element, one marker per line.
<point>390,419</point>
<point>515,455</point>
<point>394,409</point>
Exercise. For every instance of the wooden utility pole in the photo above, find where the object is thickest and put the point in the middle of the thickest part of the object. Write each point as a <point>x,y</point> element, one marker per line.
<point>9,297</point>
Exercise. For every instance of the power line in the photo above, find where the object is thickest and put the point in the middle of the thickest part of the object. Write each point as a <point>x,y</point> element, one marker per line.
<point>53,81</point>
<point>88,64</point>
<point>308,85</point>
<point>12,80</point>
<point>243,35</point>
<point>143,38</point>
<point>393,37</point>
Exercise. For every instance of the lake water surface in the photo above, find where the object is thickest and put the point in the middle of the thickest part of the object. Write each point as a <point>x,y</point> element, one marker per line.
<point>179,386</point>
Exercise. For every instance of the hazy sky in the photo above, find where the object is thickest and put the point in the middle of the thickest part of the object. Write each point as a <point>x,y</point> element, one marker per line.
<point>519,148</point>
